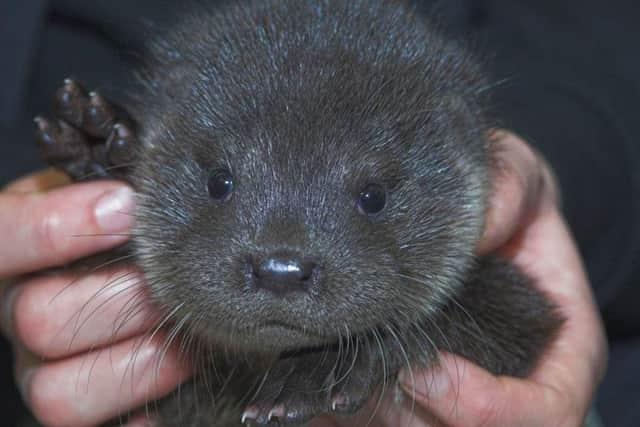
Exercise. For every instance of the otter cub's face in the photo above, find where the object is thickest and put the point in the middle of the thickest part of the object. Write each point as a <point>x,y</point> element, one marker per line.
<point>293,211</point>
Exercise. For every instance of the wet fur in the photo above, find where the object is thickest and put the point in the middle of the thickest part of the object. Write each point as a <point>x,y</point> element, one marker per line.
<point>307,101</point>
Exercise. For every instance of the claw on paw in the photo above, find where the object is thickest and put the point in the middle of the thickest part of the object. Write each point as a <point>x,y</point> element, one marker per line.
<point>87,137</point>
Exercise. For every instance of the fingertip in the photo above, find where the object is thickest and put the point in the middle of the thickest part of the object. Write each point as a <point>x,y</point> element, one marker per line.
<point>518,176</point>
<point>69,224</point>
<point>113,210</point>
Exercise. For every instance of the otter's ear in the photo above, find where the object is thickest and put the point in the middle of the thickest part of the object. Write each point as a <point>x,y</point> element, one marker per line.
<point>87,137</point>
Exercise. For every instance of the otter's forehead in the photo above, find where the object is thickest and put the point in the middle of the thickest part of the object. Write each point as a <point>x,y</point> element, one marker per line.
<point>313,128</point>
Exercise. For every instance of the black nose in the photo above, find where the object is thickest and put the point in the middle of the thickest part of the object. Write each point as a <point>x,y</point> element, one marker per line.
<point>284,274</point>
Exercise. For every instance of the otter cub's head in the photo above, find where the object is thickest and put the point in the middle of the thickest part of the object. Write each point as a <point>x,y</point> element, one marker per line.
<point>298,188</point>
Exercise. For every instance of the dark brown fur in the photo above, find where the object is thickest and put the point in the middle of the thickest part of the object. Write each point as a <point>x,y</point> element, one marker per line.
<point>306,102</point>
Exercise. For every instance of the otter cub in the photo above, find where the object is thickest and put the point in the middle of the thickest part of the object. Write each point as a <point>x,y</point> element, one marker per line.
<point>312,177</point>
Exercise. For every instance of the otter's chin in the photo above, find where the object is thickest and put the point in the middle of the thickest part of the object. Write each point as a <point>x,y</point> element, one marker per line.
<point>274,338</point>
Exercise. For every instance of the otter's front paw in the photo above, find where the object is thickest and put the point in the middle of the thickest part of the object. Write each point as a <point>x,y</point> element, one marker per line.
<point>299,388</point>
<point>88,137</point>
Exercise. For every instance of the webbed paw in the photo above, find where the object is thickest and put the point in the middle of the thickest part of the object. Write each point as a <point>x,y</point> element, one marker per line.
<point>299,388</point>
<point>87,137</point>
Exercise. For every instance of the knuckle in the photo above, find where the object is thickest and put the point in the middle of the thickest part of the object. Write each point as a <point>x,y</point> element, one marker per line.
<point>48,234</point>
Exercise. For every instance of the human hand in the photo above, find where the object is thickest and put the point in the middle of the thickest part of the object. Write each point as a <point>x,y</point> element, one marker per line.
<point>82,355</point>
<point>525,225</point>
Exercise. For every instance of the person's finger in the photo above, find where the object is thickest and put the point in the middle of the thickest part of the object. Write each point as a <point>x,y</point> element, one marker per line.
<point>51,229</point>
<point>60,315</point>
<point>520,182</point>
<point>464,395</point>
<point>577,359</point>
<point>95,387</point>
<point>39,181</point>
<point>460,394</point>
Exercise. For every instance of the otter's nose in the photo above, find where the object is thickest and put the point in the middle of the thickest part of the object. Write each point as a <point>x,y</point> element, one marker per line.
<point>284,274</point>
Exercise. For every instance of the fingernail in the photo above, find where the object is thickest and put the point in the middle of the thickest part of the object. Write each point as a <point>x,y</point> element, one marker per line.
<point>6,311</point>
<point>113,210</point>
<point>433,383</point>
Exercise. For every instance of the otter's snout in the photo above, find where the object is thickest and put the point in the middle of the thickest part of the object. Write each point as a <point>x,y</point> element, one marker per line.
<point>284,273</point>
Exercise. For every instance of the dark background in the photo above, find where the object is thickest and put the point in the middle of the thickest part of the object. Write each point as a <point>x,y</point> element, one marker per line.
<point>570,84</point>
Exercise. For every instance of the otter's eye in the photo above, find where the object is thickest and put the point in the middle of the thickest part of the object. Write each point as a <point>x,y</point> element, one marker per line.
<point>372,199</point>
<point>220,184</point>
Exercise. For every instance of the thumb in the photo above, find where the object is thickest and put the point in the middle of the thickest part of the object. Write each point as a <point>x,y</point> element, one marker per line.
<point>461,394</point>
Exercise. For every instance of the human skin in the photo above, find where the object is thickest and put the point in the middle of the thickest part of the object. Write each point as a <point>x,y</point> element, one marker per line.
<point>78,364</point>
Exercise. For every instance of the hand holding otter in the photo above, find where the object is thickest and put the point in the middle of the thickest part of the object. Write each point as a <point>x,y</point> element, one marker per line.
<point>74,364</point>
<point>87,377</point>
<point>524,224</point>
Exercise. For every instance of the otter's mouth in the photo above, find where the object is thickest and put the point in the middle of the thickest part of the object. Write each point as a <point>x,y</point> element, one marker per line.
<point>274,324</point>
<point>288,329</point>
<point>292,338</point>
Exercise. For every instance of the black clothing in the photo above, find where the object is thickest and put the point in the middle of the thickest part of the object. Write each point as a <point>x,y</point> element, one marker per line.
<point>568,75</point>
